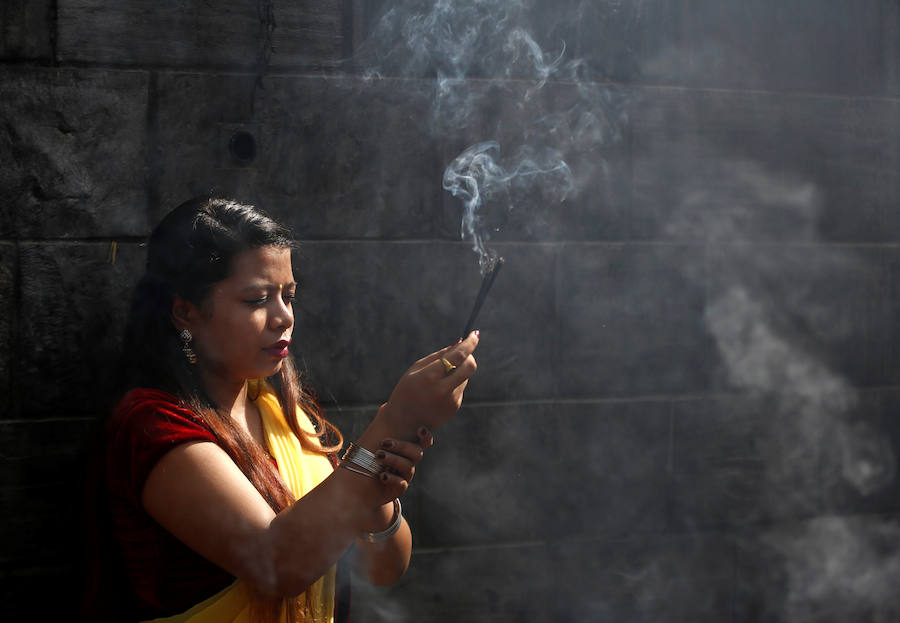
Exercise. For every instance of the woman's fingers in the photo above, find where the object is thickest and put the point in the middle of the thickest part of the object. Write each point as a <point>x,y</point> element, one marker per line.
<point>459,373</point>
<point>467,345</point>
<point>394,485</point>
<point>464,349</point>
<point>400,457</point>
<point>426,438</point>
<point>404,449</point>
<point>458,363</point>
<point>432,357</point>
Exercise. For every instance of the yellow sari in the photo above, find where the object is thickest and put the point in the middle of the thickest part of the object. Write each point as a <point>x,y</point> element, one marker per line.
<point>301,471</point>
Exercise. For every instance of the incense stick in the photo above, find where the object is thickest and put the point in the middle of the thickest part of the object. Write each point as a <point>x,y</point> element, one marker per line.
<point>486,284</point>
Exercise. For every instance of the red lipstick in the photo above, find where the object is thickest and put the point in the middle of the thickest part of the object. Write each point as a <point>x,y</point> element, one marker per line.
<point>279,349</point>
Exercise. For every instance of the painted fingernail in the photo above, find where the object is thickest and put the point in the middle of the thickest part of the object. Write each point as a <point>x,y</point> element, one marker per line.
<point>380,454</point>
<point>387,443</point>
<point>477,333</point>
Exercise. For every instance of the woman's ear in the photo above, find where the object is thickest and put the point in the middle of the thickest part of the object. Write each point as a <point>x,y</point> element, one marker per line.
<point>184,313</point>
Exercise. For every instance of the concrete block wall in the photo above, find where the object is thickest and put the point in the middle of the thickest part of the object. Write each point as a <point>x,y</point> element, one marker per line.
<point>686,407</point>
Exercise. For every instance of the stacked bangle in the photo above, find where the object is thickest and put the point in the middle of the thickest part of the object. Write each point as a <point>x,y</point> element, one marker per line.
<point>377,537</point>
<point>361,461</point>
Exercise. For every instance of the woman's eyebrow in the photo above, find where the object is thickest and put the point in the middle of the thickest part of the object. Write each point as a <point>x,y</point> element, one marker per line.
<point>263,285</point>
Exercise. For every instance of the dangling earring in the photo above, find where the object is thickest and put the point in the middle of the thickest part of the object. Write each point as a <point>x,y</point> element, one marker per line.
<point>186,338</point>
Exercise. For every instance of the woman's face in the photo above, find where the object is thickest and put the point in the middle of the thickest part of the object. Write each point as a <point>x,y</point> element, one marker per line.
<point>243,328</point>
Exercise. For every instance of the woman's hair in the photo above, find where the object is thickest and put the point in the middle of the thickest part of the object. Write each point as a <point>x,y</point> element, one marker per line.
<point>191,250</point>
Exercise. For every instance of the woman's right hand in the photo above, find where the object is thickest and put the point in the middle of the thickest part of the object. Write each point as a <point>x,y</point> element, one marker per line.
<point>427,394</point>
<point>400,458</point>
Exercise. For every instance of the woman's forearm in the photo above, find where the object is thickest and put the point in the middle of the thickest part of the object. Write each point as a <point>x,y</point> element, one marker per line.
<point>307,538</point>
<point>312,534</point>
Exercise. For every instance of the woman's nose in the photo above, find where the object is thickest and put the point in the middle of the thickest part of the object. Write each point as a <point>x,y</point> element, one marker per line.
<point>283,315</point>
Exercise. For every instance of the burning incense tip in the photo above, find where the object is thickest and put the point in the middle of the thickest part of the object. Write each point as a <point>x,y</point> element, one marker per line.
<point>486,284</point>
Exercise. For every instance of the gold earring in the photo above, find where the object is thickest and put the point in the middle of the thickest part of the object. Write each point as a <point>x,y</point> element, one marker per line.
<point>186,338</point>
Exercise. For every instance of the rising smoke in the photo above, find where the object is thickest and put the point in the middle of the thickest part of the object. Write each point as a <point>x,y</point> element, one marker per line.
<point>466,46</point>
<point>761,313</point>
<point>477,178</point>
<point>768,326</point>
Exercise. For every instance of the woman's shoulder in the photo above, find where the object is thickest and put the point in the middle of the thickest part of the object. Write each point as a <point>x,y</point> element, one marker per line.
<point>145,425</point>
<point>146,411</point>
<point>137,397</point>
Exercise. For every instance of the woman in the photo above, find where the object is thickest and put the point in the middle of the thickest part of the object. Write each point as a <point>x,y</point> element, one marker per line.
<point>225,504</point>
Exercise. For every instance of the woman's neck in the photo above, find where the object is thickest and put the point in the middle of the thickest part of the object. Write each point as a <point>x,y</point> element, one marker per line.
<point>229,396</point>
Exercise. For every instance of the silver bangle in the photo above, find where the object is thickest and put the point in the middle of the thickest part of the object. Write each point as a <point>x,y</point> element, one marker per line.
<point>384,535</point>
<point>361,461</point>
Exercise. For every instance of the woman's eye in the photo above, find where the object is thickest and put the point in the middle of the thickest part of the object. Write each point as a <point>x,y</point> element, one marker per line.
<point>290,298</point>
<point>255,302</point>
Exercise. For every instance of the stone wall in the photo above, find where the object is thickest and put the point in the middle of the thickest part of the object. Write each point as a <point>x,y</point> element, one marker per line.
<point>686,403</point>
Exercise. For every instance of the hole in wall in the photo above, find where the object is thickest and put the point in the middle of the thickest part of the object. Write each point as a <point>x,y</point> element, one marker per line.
<point>242,147</point>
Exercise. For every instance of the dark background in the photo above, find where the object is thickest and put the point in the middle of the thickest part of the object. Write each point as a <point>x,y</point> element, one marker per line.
<point>689,382</point>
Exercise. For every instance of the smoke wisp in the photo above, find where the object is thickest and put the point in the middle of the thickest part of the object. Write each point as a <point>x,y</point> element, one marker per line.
<point>468,48</point>
<point>475,176</point>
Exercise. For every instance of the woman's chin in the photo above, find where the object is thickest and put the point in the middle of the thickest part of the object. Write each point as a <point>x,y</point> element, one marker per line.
<point>274,368</point>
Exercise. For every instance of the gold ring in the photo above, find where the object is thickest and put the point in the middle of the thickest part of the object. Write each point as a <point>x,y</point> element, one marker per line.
<point>448,367</point>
